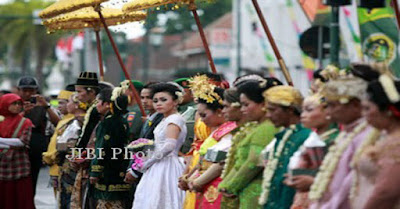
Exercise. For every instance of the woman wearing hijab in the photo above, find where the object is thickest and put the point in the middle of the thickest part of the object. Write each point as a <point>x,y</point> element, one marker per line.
<point>15,177</point>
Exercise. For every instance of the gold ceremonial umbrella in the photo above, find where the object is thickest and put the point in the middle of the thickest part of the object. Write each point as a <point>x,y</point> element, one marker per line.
<point>146,4</point>
<point>89,18</point>
<point>65,6</point>
<point>78,14</point>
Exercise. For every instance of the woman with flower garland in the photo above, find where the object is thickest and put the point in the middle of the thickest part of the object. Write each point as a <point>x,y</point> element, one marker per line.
<point>377,168</point>
<point>308,158</point>
<point>15,178</point>
<point>243,175</point>
<point>158,187</point>
<point>231,112</point>
<point>331,187</point>
<point>283,105</point>
<point>205,177</point>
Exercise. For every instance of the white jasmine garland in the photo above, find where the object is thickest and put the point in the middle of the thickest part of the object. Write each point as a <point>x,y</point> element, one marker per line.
<point>235,139</point>
<point>273,161</point>
<point>87,116</point>
<point>372,139</point>
<point>389,88</point>
<point>116,93</point>
<point>323,178</point>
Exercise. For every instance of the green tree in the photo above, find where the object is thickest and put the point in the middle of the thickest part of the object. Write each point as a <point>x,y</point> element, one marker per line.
<point>19,32</point>
<point>180,20</point>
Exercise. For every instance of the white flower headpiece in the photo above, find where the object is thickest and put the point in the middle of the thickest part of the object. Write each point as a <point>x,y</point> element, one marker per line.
<point>179,93</point>
<point>235,104</point>
<point>344,89</point>
<point>389,88</point>
<point>118,91</point>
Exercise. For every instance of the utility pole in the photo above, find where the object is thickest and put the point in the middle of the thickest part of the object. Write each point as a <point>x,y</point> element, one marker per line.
<point>334,28</point>
<point>238,38</point>
<point>145,53</point>
<point>334,36</point>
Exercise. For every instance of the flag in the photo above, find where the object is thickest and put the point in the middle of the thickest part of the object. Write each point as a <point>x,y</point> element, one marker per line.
<point>77,42</point>
<point>312,7</point>
<point>380,37</point>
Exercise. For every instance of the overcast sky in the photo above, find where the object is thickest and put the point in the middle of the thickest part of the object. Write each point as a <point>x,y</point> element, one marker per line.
<point>132,30</point>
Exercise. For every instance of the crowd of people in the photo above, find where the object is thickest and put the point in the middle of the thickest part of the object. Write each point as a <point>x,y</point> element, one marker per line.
<point>202,143</point>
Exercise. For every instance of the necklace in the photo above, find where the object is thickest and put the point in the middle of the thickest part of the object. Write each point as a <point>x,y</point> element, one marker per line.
<point>241,134</point>
<point>87,118</point>
<point>273,161</point>
<point>371,140</point>
<point>331,160</point>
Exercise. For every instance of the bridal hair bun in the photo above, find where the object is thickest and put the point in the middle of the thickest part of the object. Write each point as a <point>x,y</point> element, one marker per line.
<point>171,88</point>
<point>180,91</point>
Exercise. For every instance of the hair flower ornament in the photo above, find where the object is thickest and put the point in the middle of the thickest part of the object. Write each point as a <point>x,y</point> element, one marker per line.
<point>203,89</point>
<point>389,88</point>
<point>235,104</point>
<point>180,96</point>
<point>118,91</point>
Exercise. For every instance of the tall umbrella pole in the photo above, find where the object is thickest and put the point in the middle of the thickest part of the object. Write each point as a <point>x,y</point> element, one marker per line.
<point>192,8</point>
<point>273,44</point>
<point>99,54</point>
<point>127,76</point>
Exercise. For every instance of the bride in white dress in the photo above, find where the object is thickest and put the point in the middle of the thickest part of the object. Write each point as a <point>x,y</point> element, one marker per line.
<point>158,187</point>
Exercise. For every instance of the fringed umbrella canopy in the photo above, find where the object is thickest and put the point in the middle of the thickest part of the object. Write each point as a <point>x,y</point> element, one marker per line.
<point>89,18</point>
<point>147,4</point>
<point>65,6</point>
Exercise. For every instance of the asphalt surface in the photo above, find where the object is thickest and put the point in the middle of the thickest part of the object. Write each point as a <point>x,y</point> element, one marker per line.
<point>44,198</point>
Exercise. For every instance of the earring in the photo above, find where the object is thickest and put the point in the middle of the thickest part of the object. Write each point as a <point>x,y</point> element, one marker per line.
<point>328,117</point>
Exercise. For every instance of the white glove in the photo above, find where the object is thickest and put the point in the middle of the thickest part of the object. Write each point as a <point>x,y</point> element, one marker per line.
<point>169,146</point>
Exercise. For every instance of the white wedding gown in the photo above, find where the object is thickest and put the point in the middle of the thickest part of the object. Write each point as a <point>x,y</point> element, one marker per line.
<point>158,188</point>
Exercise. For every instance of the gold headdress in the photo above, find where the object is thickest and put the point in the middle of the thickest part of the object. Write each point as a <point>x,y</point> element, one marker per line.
<point>64,94</point>
<point>317,99</point>
<point>203,89</point>
<point>286,96</point>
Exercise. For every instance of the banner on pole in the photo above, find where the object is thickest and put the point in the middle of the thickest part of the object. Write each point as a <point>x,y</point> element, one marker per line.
<point>380,36</point>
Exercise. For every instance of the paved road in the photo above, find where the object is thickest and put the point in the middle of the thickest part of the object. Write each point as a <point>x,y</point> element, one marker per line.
<point>44,198</point>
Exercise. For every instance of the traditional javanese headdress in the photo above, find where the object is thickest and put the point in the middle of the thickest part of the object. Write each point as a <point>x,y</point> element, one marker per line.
<point>64,94</point>
<point>116,99</point>
<point>251,77</point>
<point>329,73</point>
<point>203,89</point>
<point>344,89</point>
<point>286,96</point>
